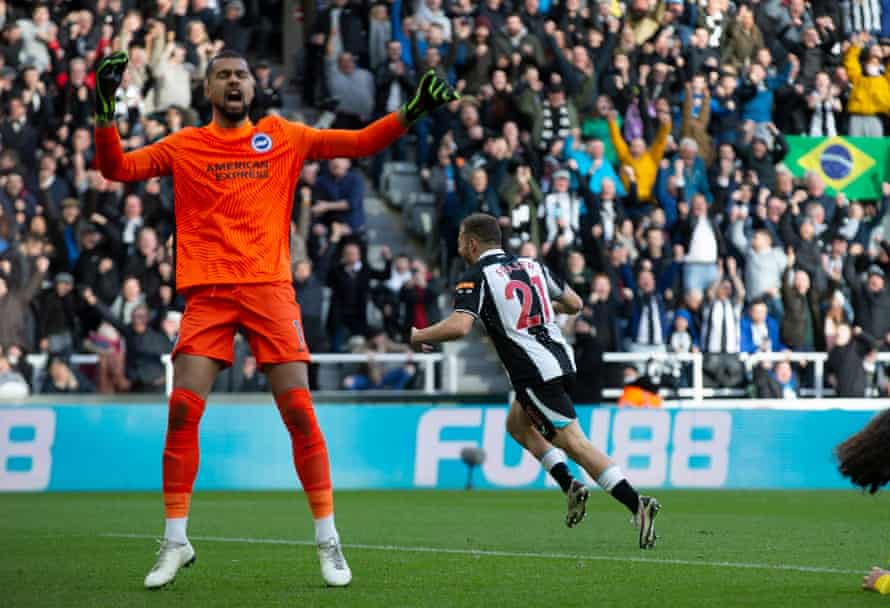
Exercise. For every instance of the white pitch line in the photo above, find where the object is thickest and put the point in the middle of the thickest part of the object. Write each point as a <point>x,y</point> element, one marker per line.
<point>495,553</point>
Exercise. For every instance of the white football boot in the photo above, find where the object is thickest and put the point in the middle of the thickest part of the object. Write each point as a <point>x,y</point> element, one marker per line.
<point>171,557</point>
<point>334,569</point>
<point>645,521</point>
<point>576,499</point>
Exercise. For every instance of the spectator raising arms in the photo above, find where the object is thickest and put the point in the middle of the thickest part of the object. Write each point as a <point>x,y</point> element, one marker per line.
<point>632,142</point>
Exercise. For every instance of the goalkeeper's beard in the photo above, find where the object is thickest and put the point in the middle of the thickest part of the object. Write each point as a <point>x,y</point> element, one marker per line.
<point>231,116</point>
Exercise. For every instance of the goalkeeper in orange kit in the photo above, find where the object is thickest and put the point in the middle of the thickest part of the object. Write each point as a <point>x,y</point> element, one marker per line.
<point>234,187</point>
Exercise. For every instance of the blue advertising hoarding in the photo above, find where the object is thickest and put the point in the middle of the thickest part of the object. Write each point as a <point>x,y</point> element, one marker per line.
<point>118,447</point>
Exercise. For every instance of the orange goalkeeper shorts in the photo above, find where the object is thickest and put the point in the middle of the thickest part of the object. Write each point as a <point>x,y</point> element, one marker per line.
<point>267,312</point>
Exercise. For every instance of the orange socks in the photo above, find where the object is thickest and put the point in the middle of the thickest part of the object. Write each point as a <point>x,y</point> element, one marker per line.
<point>309,448</point>
<point>181,451</point>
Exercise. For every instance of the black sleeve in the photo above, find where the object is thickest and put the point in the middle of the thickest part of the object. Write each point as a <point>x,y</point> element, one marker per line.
<point>788,230</point>
<point>851,277</point>
<point>780,148</point>
<point>565,69</point>
<point>381,274</point>
<point>470,292</point>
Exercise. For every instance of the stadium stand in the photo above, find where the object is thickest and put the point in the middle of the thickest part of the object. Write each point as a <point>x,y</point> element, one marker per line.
<point>709,175</point>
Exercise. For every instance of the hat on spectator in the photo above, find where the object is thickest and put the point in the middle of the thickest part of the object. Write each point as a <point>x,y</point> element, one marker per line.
<point>7,72</point>
<point>874,269</point>
<point>555,87</point>
<point>64,277</point>
<point>562,174</point>
<point>685,314</point>
<point>70,202</point>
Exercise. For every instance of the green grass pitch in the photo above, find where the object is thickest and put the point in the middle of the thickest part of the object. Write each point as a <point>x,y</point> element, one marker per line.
<point>450,549</point>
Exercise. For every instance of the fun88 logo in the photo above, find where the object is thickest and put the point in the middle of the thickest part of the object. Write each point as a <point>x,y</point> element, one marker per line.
<point>836,162</point>
<point>26,441</point>
<point>261,143</point>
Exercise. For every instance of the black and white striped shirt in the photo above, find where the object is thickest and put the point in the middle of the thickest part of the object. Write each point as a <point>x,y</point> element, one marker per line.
<point>862,16</point>
<point>512,297</point>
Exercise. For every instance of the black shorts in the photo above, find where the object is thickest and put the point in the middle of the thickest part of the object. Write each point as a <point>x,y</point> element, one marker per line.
<point>548,405</point>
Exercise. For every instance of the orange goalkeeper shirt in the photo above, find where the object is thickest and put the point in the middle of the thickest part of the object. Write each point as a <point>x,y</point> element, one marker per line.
<point>234,189</point>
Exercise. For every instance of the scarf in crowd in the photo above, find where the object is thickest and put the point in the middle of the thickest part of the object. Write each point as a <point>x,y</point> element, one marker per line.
<point>555,124</point>
<point>823,124</point>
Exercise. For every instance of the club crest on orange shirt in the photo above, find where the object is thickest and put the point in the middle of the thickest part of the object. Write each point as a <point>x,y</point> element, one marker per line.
<point>261,143</point>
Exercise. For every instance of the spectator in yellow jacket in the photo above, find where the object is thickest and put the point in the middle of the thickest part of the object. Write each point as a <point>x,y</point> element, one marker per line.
<point>870,95</point>
<point>642,162</point>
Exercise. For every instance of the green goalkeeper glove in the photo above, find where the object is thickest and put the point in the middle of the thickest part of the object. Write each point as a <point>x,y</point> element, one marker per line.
<point>108,78</point>
<point>432,92</point>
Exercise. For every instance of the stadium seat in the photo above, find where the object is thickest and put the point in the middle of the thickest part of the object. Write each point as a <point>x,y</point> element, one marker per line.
<point>419,212</point>
<point>398,180</point>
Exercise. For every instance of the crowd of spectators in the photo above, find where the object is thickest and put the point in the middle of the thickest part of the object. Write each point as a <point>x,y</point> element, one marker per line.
<point>636,146</point>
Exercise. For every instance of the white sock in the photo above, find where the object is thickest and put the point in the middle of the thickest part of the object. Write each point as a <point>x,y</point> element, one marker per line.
<point>553,457</point>
<point>174,529</point>
<point>610,478</point>
<point>325,529</point>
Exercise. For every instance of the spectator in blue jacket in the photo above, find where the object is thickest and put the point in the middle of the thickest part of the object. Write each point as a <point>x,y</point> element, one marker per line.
<point>759,330</point>
<point>592,162</point>
<point>759,90</point>
<point>726,111</point>
<point>340,193</point>
<point>650,325</point>
<point>63,378</point>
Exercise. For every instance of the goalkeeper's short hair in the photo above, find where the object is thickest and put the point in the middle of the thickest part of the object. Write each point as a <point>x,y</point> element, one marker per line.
<point>224,54</point>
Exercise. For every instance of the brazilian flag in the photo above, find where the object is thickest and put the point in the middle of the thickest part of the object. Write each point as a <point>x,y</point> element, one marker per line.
<point>855,166</point>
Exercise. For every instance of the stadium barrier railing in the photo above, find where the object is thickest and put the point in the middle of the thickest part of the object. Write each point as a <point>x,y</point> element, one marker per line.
<point>427,362</point>
<point>444,367</point>
<point>698,393</point>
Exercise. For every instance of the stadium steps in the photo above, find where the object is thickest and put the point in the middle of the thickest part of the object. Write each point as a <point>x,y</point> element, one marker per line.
<point>405,228</point>
<point>386,227</point>
<point>478,370</point>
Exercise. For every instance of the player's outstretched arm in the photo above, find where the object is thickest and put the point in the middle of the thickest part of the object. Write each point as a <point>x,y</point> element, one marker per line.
<point>455,327</point>
<point>431,93</point>
<point>151,161</point>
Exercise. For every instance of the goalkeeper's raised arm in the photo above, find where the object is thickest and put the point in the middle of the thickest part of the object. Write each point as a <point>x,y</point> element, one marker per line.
<point>230,92</point>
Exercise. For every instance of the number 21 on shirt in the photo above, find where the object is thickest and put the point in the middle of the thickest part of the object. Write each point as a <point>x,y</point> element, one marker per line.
<point>527,320</point>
